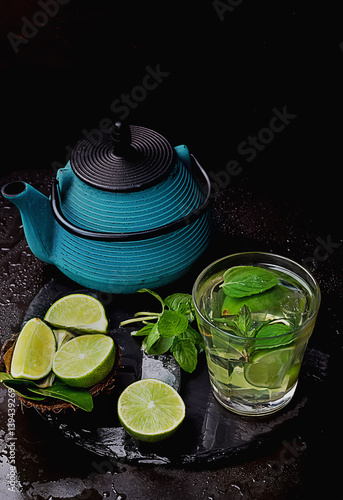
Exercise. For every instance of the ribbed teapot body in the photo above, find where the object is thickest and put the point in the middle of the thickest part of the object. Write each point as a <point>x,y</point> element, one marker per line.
<point>127,266</point>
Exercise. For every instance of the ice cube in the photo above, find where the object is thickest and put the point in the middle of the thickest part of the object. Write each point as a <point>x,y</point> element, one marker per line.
<point>162,367</point>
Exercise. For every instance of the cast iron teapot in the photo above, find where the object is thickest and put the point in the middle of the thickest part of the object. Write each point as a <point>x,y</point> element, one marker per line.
<point>126,212</point>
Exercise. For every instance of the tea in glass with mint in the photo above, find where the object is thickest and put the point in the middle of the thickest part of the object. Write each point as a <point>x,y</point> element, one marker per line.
<point>256,313</point>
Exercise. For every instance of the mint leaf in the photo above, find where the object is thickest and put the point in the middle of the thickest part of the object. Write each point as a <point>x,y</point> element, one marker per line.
<point>150,340</point>
<point>183,303</point>
<point>272,330</point>
<point>243,281</point>
<point>161,346</point>
<point>185,353</point>
<point>143,331</point>
<point>172,323</point>
<point>244,320</point>
<point>273,335</point>
<point>195,336</point>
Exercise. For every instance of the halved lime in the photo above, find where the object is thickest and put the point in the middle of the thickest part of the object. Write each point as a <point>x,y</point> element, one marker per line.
<point>268,369</point>
<point>85,360</point>
<point>78,312</point>
<point>150,410</point>
<point>34,351</point>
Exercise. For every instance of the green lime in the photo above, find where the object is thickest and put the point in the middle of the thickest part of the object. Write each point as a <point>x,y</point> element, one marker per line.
<point>34,351</point>
<point>293,374</point>
<point>78,312</point>
<point>268,368</point>
<point>265,301</point>
<point>150,410</point>
<point>85,360</point>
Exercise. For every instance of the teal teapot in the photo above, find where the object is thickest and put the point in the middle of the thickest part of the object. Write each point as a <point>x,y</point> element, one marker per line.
<point>125,213</point>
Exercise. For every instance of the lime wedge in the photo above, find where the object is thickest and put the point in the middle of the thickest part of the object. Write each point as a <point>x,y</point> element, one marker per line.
<point>62,336</point>
<point>85,360</point>
<point>34,351</point>
<point>268,369</point>
<point>78,312</point>
<point>150,410</point>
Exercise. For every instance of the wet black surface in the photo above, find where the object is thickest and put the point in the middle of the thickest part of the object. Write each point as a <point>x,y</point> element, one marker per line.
<point>219,91</point>
<point>283,447</point>
<point>210,433</point>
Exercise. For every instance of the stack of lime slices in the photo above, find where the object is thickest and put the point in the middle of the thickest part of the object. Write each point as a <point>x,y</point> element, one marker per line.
<point>76,356</point>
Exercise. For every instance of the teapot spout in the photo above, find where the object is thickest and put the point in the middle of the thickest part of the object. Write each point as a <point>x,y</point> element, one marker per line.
<point>36,215</point>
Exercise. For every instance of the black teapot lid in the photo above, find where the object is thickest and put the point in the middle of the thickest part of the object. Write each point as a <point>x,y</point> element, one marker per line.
<point>126,158</point>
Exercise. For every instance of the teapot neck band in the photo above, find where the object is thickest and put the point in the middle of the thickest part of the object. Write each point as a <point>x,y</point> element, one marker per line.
<point>134,236</point>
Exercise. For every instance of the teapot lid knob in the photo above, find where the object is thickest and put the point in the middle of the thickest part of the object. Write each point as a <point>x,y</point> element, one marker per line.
<point>126,158</point>
<point>121,138</point>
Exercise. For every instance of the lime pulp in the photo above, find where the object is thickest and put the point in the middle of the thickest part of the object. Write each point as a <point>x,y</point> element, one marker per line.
<point>34,351</point>
<point>268,368</point>
<point>85,360</point>
<point>78,312</point>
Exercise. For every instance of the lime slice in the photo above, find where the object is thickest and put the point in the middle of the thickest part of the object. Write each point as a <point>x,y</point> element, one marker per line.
<point>150,410</point>
<point>78,312</point>
<point>34,351</point>
<point>85,360</point>
<point>268,369</point>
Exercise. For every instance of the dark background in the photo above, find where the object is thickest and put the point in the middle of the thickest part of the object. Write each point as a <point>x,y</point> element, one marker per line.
<point>223,80</point>
<point>225,76</point>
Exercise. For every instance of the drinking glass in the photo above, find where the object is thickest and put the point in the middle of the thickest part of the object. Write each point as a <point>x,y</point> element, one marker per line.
<point>251,374</point>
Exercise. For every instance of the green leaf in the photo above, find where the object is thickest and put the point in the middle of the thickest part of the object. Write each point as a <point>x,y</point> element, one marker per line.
<point>28,389</point>
<point>244,320</point>
<point>230,325</point>
<point>171,323</point>
<point>182,303</point>
<point>272,330</point>
<point>185,353</point>
<point>150,340</point>
<point>243,281</point>
<point>76,396</point>
<point>263,301</point>
<point>5,376</point>
<point>143,331</point>
<point>21,387</point>
<point>162,345</point>
<point>273,335</point>
<point>195,336</point>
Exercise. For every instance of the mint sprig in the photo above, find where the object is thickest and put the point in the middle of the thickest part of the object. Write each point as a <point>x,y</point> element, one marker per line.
<point>170,329</point>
